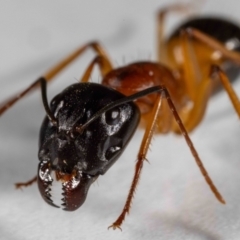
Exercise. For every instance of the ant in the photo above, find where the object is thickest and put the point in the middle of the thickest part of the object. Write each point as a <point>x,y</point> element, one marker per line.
<point>88,125</point>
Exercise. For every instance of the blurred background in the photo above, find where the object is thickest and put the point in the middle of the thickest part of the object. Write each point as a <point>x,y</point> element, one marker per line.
<point>172,200</point>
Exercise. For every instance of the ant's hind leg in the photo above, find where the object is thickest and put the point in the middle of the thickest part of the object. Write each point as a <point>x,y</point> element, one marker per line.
<point>212,43</point>
<point>217,72</point>
<point>196,114</point>
<point>161,16</point>
<point>203,88</point>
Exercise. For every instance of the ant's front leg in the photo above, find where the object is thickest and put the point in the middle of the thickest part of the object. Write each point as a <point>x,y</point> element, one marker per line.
<point>141,158</point>
<point>163,93</point>
<point>49,75</point>
<point>216,71</point>
<point>51,117</point>
<point>26,184</point>
<point>103,65</point>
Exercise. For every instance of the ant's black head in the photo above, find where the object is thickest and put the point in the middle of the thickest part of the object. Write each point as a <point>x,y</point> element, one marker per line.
<point>74,156</point>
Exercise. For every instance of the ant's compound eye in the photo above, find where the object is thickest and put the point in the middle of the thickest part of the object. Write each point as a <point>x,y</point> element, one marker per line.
<point>113,116</point>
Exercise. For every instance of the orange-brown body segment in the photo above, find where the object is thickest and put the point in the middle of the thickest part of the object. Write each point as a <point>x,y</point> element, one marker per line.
<point>141,75</point>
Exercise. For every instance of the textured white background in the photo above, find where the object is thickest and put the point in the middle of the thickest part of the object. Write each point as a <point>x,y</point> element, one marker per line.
<point>172,200</point>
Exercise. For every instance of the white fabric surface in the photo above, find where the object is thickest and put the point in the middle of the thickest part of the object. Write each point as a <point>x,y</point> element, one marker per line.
<point>172,200</point>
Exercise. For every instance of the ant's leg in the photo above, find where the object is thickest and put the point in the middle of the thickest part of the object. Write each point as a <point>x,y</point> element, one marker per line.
<point>215,70</point>
<point>48,76</point>
<point>141,158</point>
<point>145,146</point>
<point>26,184</point>
<point>161,16</point>
<point>103,66</point>
<point>60,66</point>
<point>192,72</point>
<point>195,114</point>
<point>192,148</point>
<point>203,87</point>
<point>213,43</point>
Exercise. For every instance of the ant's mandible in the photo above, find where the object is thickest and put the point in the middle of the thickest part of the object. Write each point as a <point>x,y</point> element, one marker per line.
<point>88,125</point>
